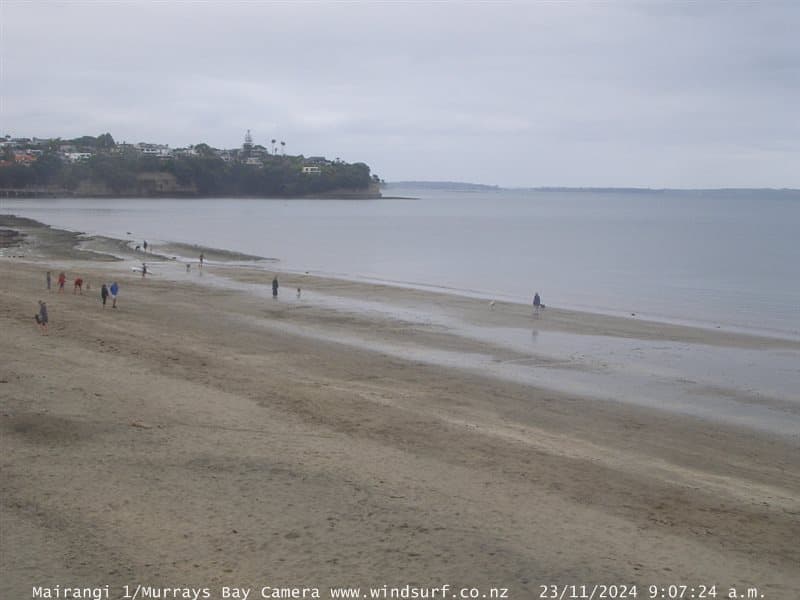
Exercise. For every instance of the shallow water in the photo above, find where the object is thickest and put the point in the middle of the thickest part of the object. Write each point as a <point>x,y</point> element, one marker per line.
<point>755,388</point>
<point>628,371</point>
<point>726,259</point>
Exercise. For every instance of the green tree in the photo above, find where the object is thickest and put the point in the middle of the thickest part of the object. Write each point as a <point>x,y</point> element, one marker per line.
<point>85,143</point>
<point>105,142</point>
<point>204,150</point>
<point>47,168</point>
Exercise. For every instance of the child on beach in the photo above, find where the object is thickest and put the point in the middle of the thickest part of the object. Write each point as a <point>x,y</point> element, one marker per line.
<point>41,317</point>
<point>48,281</point>
<point>78,287</point>
<point>104,294</point>
<point>298,293</point>
<point>275,287</point>
<point>62,279</point>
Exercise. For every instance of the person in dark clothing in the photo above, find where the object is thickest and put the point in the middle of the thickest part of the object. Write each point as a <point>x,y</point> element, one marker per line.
<point>275,287</point>
<point>537,303</point>
<point>48,281</point>
<point>104,294</point>
<point>42,318</point>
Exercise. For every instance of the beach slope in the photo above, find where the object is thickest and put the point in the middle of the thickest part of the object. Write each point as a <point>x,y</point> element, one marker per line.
<point>178,441</point>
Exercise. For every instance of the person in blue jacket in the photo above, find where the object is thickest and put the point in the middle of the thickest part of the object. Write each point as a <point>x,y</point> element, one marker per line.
<point>114,289</point>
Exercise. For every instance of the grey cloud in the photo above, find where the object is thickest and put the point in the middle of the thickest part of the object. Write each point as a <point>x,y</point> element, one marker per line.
<point>508,93</point>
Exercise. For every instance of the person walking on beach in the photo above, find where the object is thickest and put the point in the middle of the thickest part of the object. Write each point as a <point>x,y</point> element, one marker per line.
<point>62,279</point>
<point>202,258</point>
<point>78,287</point>
<point>537,303</point>
<point>104,294</point>
<point>144,270</point>
<point>114,289</point>
<point>188,267</point>
<point>48,281</point>
<point>42,318</point>
<point>145,245</point>
<point>275,287</point>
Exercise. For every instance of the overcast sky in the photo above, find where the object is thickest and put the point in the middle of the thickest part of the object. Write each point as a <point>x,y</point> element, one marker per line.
<point>677,94</point>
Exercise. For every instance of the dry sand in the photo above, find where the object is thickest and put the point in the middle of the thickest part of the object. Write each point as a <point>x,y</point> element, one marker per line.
<point>177,442</point>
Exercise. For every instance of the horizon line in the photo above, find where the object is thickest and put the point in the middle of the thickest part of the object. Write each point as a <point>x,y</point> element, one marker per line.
<point>588,187</point>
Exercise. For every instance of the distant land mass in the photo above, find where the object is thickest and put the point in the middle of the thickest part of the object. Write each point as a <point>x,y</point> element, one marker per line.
<point>460,186</point>
<point>100,167</point>
<point>456,186</point>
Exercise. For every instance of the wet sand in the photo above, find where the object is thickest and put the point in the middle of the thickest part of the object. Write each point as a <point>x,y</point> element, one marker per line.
<point>206,435</point>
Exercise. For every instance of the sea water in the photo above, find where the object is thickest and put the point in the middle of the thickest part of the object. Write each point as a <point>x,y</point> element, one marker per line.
<point>727,259</point>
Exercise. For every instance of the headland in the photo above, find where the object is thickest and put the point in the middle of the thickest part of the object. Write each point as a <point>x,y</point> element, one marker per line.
<point>99,167</point>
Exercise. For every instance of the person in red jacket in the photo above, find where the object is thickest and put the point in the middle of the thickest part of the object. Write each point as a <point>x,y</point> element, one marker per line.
<point>78,287</point>
<point>62,279</point>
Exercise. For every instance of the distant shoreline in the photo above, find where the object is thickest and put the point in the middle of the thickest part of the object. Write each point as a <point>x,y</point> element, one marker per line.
<point>478,187</point>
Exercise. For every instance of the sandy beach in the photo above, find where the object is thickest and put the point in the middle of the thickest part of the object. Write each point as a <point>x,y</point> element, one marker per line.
<point>204,435</point>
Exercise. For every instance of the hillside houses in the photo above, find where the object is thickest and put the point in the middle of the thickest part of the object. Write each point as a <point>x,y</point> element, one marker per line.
<point>25,151</point>
<point>157,150</point>
<point>99,166</point>
<point>74,157</point>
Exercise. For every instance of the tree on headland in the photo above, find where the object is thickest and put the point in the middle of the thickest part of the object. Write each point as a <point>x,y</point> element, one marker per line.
<point>105,142</point>
<point>47,168</point>
<point>17,176</point>
<point>85,143</point>
<point>204,150</point>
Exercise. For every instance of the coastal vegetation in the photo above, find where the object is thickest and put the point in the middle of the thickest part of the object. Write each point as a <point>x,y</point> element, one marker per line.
<point>98,166</point>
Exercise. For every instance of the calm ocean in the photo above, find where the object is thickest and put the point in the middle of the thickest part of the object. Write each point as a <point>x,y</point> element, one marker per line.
<point>729,259</point>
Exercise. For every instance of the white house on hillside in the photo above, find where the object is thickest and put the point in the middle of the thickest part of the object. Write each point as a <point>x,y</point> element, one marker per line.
<point>74,157</point>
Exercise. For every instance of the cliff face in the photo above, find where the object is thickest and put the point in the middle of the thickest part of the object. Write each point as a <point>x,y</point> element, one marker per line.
<point>160,183</point>
<point>372,192</point>
<point>148,185</point>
